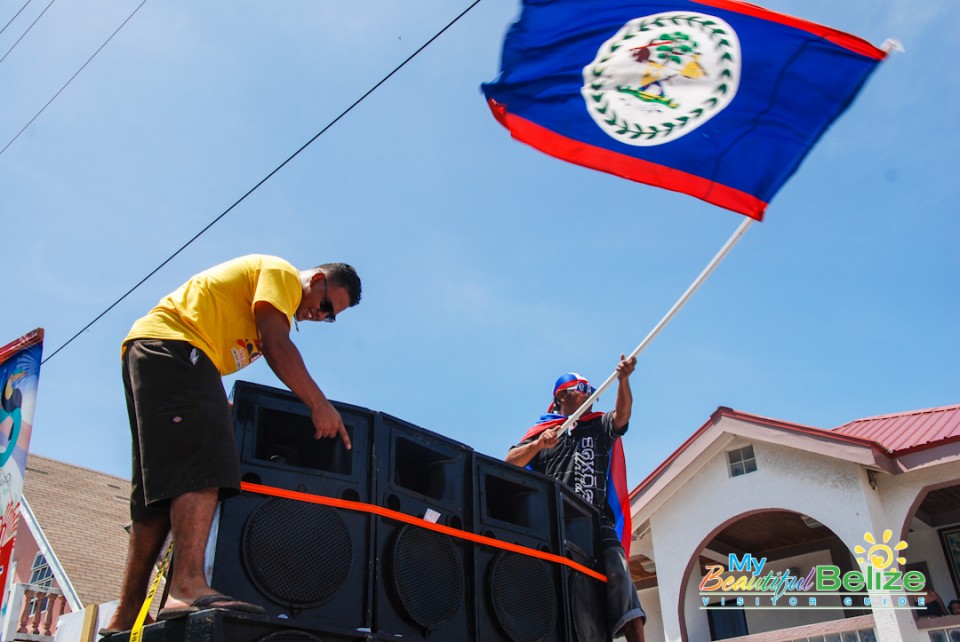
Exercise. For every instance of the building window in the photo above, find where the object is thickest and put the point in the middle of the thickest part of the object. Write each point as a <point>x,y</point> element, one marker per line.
<point>741,461</point>
<point>41,575</point>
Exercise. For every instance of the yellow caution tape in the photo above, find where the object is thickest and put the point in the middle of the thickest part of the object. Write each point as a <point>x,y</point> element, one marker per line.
<point>137,629</point>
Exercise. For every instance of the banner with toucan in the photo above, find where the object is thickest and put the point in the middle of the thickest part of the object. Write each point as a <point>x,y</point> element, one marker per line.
<point>19,374</point>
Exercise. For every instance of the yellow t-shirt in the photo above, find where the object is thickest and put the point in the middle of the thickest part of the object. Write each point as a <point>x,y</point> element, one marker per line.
<point>214,309</point>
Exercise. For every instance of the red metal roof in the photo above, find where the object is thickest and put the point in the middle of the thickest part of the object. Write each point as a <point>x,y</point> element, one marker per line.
<point>905,431</point>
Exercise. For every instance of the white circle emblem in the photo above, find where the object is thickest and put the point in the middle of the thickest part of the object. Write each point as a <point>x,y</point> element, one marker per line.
<point>662,76</point>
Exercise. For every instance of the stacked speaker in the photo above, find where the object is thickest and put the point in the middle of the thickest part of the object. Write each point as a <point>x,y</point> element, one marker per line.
<point>421,575</point>
<point>520,596</point>
<point>305,562</point>
<point>586,608</point>
<point>328,572</point>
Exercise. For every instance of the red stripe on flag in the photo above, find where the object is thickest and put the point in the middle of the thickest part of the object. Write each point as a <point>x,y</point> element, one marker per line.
<point>843,39</point>
<point>627,167</point>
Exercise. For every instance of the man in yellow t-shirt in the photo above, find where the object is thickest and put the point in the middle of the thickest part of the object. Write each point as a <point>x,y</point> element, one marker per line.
<point>185,455</point>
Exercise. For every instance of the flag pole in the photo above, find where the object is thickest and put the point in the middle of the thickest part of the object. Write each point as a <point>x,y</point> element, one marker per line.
<point>739,232</point>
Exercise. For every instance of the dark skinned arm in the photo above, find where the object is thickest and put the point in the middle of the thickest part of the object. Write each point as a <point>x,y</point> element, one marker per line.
<point>284,359</point>
<point>522,455</point>
<point>621,412</point>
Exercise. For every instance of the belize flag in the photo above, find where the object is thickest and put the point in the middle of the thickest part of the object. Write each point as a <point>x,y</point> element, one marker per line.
<point>714,98</point>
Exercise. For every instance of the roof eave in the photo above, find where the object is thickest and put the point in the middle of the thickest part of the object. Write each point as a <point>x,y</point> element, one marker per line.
<point>853,449</point>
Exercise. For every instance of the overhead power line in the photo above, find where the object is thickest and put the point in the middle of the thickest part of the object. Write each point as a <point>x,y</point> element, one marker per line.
<point>42,109</point>
<point>15,16</point>
<point>265,178</point>
<point>35,21</point>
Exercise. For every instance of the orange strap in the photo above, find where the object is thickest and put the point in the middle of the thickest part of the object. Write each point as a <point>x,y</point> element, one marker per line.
<point>416,521</point>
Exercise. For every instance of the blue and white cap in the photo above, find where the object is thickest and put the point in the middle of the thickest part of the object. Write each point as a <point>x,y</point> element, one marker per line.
<point>572,381</point>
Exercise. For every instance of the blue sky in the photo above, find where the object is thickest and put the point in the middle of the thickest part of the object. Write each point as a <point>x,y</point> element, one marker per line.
<point>489,269</point>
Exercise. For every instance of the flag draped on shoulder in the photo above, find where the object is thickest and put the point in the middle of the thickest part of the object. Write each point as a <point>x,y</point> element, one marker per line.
<point>718,99</point>
<point>618,495</point>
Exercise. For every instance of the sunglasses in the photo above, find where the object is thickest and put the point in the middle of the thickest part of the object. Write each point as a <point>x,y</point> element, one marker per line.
<point>326,306</point>
<point>582,386</point>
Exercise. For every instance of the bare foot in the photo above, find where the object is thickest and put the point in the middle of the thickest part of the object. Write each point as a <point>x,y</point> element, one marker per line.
<point>123,621</point>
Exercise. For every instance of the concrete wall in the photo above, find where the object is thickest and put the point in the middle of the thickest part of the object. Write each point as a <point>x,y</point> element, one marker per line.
<point>900,496</point>
<point>650,600</point>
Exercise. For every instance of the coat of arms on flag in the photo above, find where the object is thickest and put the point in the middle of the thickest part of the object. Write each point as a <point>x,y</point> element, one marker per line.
<point>718,99</point>
<point>662,76</point>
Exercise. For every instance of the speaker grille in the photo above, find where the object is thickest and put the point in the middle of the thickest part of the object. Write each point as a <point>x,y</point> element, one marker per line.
<point>588,609</point>
<point>290,636</point>
<point>297,554</point>
<point>427,576</point>
<point>523,596</point>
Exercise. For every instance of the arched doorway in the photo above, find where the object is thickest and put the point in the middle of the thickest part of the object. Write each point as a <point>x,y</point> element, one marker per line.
<point>774,541</point>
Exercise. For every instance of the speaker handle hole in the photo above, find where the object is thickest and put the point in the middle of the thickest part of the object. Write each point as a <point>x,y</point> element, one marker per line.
<point>393,502</point>
<point>454,522</point>
<point>350,495</point>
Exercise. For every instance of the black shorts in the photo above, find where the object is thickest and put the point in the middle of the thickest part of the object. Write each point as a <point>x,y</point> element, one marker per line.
<point>623,603</point>
<point>183,438</point>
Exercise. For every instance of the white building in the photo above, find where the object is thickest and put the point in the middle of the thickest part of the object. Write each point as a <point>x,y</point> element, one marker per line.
<point>800,497</point>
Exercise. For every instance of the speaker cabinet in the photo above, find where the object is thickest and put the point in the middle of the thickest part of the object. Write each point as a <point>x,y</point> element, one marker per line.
<point>519,597</point>
<point>585,596</point>
<point>339,575</point>
<point>218,625</point>
<point>302,561</point>
<point>423,587</point>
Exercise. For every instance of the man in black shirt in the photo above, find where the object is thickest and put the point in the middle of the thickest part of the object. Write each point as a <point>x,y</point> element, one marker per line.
<point>580,458</point>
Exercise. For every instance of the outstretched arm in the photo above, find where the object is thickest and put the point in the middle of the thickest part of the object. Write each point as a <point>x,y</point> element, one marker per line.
<point>621,413</point>
<point>284,359</point>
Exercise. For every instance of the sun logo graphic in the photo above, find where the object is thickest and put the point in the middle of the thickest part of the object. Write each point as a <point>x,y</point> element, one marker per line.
<point>880,555</point>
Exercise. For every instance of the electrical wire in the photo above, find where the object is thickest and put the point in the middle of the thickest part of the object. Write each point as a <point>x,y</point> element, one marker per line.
<point>15,16</point>
<point>42,109</point>
<point>35,21</point>
<point>264,179</point>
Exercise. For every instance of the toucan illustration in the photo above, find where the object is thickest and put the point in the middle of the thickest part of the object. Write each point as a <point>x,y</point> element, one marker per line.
<point>10,401</point>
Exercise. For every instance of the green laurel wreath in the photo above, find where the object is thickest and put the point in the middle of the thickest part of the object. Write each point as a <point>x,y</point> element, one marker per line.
<point>635,131</point>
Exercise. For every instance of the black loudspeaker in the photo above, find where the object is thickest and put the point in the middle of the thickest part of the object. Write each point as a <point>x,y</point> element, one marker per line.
<point>306,562</point>
<point>585,596</point>
<point>218,625</point>
<point>519,597</point>
<point>424,583</point>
